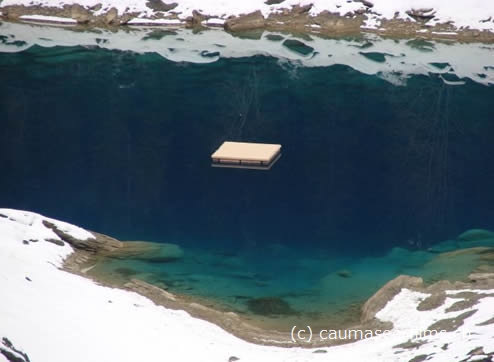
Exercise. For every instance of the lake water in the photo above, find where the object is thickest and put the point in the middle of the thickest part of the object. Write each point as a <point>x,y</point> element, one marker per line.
<point>385,156</point>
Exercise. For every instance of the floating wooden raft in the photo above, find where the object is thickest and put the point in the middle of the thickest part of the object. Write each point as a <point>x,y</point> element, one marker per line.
<point>246,155</point>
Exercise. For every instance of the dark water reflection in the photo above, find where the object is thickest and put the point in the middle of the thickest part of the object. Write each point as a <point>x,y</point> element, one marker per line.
<point>120,143</point>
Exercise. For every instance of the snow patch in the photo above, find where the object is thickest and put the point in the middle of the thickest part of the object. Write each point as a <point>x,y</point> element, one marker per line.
<point>215,22</point>
<point>144,21</point>
<point>444,33</point>
<point>372,22</point>
<point>53,19</point>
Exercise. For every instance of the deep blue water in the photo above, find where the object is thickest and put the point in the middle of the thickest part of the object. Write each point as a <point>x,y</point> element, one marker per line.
<point>120,143</point>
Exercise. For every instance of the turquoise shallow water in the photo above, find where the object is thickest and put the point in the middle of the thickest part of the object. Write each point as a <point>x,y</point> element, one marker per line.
<point>321,288</point>
<point>373,175</point>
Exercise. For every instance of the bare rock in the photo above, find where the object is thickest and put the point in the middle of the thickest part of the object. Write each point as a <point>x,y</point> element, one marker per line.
<point>375,303</point>
<point>158,5</point>
<point>249,21</point>
<point>80,14</point>
<point>463,304</point>
<point>461,285</point>
<point>367,3</point>
<point>297,9</point>
<point>296,19</point>
<point>421,15</point>
<point>334,23</point>
<point>111,16</point>
<point>432,302</point>
<point>474,277</point>
<point>451,324</point>
<point>96,7</point>
<point>197,18</point>
<point>440,286</point>
<point>419,358</point>
<point>125,18</point>
<point>13,12</point>
<point>100,242</point>
<point>11,353</point>
<point>55,241</point>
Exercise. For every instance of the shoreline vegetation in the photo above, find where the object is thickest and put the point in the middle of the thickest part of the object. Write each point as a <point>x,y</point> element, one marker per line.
<point>87,253</point>
<point>295,19</point>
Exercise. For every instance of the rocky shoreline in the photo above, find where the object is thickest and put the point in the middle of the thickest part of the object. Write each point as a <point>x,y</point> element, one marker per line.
<point>295,19</point>
<point>88,252</point>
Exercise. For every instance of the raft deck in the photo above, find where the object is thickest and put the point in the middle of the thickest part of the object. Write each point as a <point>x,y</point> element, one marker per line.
<point>246,155</point>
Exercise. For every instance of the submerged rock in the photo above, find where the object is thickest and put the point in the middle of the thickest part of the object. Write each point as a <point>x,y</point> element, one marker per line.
<point>126,272</point>
<point>476,235</point>
<point>148,251</point>
<point>274,37</point>
<point>374,56</point>
<point>270,306</point>
<point>479,250</point>
<point>298,47</point>
<point>159,34</point>
<point>344,273</point>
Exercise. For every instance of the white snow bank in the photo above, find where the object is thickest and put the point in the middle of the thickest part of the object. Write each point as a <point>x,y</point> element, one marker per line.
<point>143,21</point>
<point>400,58</point>
<point>474,14</point>
<point>56,316</point>
<point>29,225</point>
<point>215,22</point>
<point>54,19</point>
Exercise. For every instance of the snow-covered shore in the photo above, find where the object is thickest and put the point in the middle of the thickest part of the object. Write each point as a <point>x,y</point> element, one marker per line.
<point>472,19</point>
<point>52,315</point>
